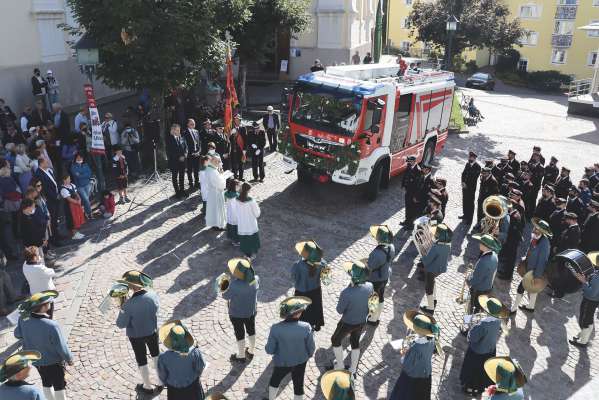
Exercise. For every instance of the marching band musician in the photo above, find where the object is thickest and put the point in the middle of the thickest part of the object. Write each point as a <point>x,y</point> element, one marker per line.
<point>379,266</point>
<point>589,304</point>
<point>433,209</point>
<point>139,315</point>
<point>181,366</point>
<point>435,263</point>
<point>469,181</point>
<point>307,282</point>
<point>13,372</point>
<point>488,187</point>
<point>508,377</point>
<point>536,261</point>
<point>291,342</point>
<point>481,280</point>
<point>482,343</point>
<point>242,297</point>
<point>414,382</point>
<point>509,248</point>
<point>38,332</point>
<point>353,307</point>
<point>412,184</point>
<point>337,385</point>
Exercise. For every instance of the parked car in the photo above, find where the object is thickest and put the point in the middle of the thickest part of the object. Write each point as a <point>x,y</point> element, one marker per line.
<point>481,80</point>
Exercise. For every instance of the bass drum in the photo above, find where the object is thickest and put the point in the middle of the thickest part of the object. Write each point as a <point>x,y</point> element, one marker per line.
<point>562,269</point>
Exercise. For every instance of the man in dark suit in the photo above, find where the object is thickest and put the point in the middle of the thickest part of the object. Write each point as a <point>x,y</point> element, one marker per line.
<point>61,121</point>
<point>512,162</point>
<point>238,141</point>
<point>40,116</point>
<point>575,205</point>
<point>556,221</point>
<point>536,150</point>
<point>428,184</point>
<point>412,184</point>
<point>255,146</point>
<point>501,169</point>
<point>550,172</point>
<point>51,193</point>
<point>563,183</point>
<point>546,204</point>
<point>488,187</point>
<point>570,236</point>
<point>39,86</point>
<point>271,124</point>
<point>192,139</point>
<point>207,135</point>
<point>177,152</point>
<point>590,230</point>
<point>469,181</point>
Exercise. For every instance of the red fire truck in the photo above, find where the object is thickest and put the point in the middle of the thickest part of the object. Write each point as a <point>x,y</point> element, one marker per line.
<point>356,124</point>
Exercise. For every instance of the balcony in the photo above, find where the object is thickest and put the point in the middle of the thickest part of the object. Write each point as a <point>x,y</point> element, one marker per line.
<point>561,40</point>
<point>566,12</point>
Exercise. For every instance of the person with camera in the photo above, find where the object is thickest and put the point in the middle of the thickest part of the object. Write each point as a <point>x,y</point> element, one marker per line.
<point>130,142</point>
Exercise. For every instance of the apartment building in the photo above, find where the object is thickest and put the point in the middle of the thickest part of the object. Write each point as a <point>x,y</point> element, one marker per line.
<point>552,40</point>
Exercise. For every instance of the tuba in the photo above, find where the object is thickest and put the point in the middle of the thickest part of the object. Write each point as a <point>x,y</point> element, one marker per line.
<point>222,282</point>
<point>423,237</point>
<point>495,209</point>
<point>116,295</point>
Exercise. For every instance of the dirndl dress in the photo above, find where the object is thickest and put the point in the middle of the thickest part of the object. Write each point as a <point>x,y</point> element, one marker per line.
<point>313,314</point>
<point>472,374</point>
<point>408,388</point>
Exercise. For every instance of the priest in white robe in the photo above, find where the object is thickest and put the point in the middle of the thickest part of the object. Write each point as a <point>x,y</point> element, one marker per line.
<point>214,184</point>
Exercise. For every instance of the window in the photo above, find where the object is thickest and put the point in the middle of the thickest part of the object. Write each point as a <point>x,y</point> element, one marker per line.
<point>567,2</point>
<point>408,2</point>
<point>405,23</point>
<point>593,33</point>
<point>563,27</point>
<point>529,38</point>
<point>595,3</point>
<point>523,65</point>
<point>401,123</point>
<point>558,56</point>
<point>374,114</point>
<point>592,58</point>
<point>530,11</point>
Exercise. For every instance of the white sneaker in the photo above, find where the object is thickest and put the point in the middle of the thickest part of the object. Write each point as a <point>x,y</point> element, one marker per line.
<point>78,236</point>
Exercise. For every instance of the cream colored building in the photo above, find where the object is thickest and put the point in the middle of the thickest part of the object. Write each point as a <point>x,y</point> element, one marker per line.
<point>553,41</point>
<point>340,28</point>
<point>30,39</point>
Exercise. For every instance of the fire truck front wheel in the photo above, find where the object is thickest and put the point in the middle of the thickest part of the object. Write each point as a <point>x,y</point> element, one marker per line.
<point>374,184</point>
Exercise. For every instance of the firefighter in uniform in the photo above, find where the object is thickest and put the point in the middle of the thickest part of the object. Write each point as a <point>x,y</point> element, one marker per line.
<point>412,184</point>
<point>469,181</point>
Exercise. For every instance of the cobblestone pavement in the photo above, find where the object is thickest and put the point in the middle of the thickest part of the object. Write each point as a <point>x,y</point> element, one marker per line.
<point>167,241</point>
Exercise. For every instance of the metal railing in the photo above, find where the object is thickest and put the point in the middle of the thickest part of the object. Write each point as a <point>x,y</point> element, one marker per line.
<point>566,12</point>
<point>561,40</point>
<point>580,87</point>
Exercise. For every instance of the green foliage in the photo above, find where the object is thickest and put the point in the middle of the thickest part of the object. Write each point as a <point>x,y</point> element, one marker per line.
<point>549,81</point>
<point>483,24</point>
<point>344,156</point>
<point>171,41</point>
<point>255,35</point>
<point>508,62</point>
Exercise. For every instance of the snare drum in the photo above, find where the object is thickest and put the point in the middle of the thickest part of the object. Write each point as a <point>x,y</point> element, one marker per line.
<point>562,269</point>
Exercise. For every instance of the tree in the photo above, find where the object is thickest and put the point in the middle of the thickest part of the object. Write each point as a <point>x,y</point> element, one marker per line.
<point>257,37</point>
<point>157,44</point>
<point>483,24</point>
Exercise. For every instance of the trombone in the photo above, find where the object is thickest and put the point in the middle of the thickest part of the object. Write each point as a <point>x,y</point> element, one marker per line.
<point>469,270</point>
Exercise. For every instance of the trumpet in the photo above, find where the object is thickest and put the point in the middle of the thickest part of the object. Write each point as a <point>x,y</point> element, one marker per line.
<point>117,295</point>
<point>471,320</point>
<point>461,298</point>
<point>407,341</point>
<point>326,273</point>
<point>423,236</point>
<point>373,303</point>
<point>222,282</point>
<point>495,209</point>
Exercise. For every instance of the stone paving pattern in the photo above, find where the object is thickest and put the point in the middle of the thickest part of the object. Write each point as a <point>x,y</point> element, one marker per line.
<point>168,241</point>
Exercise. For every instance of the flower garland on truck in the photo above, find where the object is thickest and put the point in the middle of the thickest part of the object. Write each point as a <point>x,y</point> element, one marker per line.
<point>343,156</point>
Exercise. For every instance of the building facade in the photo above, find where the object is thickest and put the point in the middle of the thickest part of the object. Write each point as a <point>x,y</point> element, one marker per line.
<point>340,28</point>
<point>552,40</point>
<point>32,39</point>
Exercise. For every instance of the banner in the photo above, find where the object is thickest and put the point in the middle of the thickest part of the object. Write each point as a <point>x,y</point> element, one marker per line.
<point>230,95</point>
<point>97,145</point>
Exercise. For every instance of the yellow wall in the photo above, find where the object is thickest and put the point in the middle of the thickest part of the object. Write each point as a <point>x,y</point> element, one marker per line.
<point>538,55</point>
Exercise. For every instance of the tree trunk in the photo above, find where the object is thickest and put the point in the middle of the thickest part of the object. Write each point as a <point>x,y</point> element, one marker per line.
<point>242,82</point>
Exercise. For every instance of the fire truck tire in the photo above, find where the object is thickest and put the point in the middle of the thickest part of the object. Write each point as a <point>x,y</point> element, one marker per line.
<point>374,184</point>
<point>429,152</point>
<point>302,175</point>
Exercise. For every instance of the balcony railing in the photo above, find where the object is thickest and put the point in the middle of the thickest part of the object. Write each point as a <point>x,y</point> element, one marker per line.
<point>566,12</point>
<point>561,40</point>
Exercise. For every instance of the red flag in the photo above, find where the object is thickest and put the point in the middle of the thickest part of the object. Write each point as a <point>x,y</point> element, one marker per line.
<point>230,95</point>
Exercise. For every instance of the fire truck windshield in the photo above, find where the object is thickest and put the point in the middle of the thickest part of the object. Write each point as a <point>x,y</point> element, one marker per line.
<point>333,111</point>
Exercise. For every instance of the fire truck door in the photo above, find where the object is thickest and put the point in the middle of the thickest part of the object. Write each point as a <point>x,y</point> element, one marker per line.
<point>374,122</point>
<point>401,122</point>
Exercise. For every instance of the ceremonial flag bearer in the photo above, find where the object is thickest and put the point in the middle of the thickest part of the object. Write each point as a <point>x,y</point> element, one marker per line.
<point>306,280</point>
<point>482,343</point>
<point>379,266</point>
<point>242,296</point>
<point>13,372</point>
<point>291,343</point>
<point>181,366</point>
<point>38,332</point>
<point>139,316</point>
<point>353,307</point>
<point>414,382</point>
